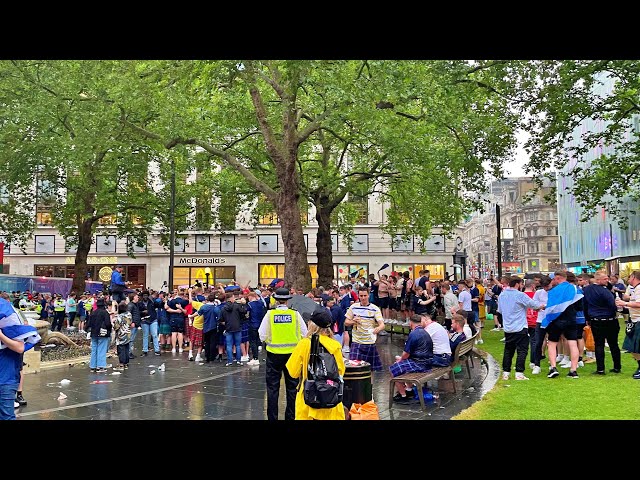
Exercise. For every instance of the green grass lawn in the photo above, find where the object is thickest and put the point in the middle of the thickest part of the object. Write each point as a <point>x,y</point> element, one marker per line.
<point>609,397</point>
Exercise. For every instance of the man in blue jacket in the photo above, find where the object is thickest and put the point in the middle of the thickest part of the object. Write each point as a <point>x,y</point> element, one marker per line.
<point>117,284</point>
<point>257,311</point>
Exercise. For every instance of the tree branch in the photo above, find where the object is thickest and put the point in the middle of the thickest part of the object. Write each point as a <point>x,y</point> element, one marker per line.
<point>244,137</point>
<point>312,127</point>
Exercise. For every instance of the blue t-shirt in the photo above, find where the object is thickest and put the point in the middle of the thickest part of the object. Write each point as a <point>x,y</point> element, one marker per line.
<point>10,363</point>
<point>256,313</point>
<point>475,293</point>
<point>211,313</point>
<point>419,346</point>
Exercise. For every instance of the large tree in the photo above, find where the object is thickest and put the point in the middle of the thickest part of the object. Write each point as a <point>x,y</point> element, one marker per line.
<point>62,143</point>
<point>321,130</point>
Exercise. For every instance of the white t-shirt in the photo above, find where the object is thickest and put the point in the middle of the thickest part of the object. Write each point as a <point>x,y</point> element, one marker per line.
<point>465,298</point>
<point>634,296</point>
<point>439,337</point>
<point>541,296</point>
<point>467,331</point>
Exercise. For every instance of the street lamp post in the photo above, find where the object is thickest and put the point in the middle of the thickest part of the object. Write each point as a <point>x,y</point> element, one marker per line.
<point>499,241</point>
<point>173,223</point>
<point>207,274</point>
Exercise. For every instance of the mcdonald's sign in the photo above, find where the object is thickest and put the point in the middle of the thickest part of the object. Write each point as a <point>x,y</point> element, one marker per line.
<point>268,270</point>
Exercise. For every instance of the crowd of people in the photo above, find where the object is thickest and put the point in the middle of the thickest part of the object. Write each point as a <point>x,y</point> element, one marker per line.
<point>233,323</point>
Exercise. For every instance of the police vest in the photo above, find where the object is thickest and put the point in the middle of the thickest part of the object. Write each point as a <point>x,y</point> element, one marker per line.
<point>39,308</point>
<point>58,306</point>
<point>285,331</point>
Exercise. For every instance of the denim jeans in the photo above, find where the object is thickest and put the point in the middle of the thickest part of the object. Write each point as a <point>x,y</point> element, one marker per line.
<point>230,339</point>
<point>99,347</point>
<point>7,398</point>
<point>134,333</point>
<point>154,334</point>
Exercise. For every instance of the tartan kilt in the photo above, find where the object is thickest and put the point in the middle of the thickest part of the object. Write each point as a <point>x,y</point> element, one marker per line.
<point>367,353</point>
<point>406,366</point>
<point>245,332</point>
<point>187,327</point>
<point>196,337</point>
<point>631,341</point>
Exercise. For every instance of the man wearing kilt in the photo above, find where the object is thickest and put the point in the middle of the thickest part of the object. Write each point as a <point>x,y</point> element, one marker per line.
<point>632,301</point>
<point>416,357</point>
<point>367,322</point>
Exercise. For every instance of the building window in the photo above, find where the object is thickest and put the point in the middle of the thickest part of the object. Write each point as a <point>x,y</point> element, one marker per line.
<point>108,220</point>
<point>227,243</point>
<point>45,244</point>
<point>549,247</point>
<point>535,231</point>
<point>267,243</point>
<point>202,243</point>
<point>184,277</point>
<point>398,244</point>
<point>43,215</point>
<point>133,246</point>
<point>549,231</point>
<point>268,272</point>
<point>180,245</point>
<point>435,243</point>
<point>360,243</point>
<point>105,244</point>
<point>361,205</point>
<point>269,218</point>
<point>345,273</point>
<point>334,242</point>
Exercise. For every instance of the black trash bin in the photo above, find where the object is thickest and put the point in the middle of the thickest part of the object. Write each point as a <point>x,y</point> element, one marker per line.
<point>357,384</point>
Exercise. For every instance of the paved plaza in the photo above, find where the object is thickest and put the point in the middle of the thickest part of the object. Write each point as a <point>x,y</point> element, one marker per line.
<point>190,391</point>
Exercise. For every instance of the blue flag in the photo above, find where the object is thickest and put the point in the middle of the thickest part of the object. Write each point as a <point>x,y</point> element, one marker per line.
<point>560,297</point>
<point>12,327</point>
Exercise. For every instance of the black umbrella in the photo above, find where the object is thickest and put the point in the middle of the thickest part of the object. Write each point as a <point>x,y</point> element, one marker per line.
<point>303,304</point>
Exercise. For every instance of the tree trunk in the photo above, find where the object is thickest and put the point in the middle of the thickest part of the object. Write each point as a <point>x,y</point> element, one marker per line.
<point>296,273</point>
<point>323,245</point>
<point>84,246</point>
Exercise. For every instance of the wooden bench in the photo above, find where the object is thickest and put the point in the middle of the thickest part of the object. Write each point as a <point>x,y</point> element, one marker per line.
<point>419,379</point>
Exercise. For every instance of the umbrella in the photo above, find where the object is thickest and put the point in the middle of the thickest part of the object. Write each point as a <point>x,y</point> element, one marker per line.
<point>303,304</point>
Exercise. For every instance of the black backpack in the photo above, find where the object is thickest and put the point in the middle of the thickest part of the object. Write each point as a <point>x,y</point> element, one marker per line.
<point>323,387</point>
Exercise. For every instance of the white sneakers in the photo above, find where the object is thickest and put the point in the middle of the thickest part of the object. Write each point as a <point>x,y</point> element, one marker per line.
<point>496,329</point>
<point>181,350</point>
<point>479,342</point>
<point>580,363</point>
<point>535,370</point>
<point>559,358</point>
<point>244,358</point>
<point>173,350</point>
<point>16,405</point>
<point>531,365</point>
<point>198,358</point>
<point>520,376</point>
<point>253,362</point>
<point>566,363</point>
<point>505,375</point>
<point>503,339</point>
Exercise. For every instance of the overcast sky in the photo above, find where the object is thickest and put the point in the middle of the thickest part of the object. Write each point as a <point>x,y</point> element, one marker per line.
<point>515,168</point>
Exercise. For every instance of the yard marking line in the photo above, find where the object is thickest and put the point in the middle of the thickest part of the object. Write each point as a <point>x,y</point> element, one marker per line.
<point>124,397</point>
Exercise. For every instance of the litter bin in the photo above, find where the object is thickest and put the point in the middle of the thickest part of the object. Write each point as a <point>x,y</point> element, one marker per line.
<point>357,383</point>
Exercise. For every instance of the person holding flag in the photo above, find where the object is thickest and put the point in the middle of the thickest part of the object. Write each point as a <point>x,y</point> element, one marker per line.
<point>560,319</point>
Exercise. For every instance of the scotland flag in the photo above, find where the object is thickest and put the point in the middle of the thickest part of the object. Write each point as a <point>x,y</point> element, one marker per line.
<point>560,297</point>
<point>12,327</point>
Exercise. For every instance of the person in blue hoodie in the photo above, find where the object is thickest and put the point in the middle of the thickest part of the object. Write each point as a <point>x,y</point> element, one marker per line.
<point>257,311</point>
<point>211,313</point>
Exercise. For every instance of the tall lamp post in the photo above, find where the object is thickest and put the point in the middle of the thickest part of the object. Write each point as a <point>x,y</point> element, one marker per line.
<point>173,224</point>
<point>499,241</point>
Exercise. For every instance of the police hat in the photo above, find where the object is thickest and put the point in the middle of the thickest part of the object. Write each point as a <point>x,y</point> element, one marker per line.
<point>282,294</point>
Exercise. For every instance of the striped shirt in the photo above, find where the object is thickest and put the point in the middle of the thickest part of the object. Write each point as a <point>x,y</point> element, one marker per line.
<point>371,316</point>
<point>513,306</point>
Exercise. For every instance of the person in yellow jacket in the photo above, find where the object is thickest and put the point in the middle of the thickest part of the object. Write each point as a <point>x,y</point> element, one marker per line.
<point>297,365</point>
<point>281,329</point>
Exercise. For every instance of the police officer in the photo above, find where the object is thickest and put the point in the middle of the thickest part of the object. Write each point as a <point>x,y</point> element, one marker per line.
<point>281,329</point>
<point>58,313</point>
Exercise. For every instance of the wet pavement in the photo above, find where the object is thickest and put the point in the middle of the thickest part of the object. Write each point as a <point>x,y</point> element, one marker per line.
<point>191,391</point>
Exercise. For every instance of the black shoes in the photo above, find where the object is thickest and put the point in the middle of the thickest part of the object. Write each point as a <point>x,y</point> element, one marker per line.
<point>573,374</point>
<point>101,370</point>
<point>20,399</point>
<point>636,375</point>
<point>553,373</point>
<point>144,354</point>
<point>157,354</point>
<point>614,370</point>
<point>598,372</point>
<point>131,355</point>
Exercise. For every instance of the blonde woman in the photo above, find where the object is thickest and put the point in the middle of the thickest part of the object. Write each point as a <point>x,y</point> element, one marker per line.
<point>297,365</point>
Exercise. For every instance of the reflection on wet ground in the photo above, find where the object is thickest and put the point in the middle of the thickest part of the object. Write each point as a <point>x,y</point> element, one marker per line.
<point>191,391</point>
